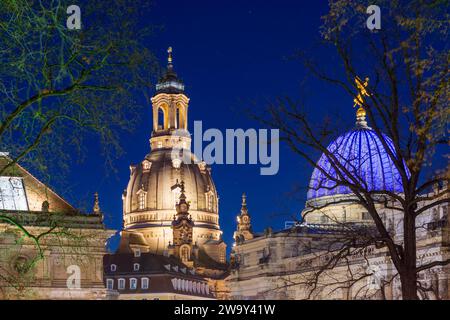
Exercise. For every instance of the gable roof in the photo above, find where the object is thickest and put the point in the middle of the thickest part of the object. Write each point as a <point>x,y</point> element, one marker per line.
<point>36,191</point>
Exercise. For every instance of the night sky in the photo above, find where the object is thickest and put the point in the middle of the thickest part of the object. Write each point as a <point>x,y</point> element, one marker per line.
<point>233,57</point>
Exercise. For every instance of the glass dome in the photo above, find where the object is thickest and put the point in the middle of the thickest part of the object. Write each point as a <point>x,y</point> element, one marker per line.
<point>362,153</point>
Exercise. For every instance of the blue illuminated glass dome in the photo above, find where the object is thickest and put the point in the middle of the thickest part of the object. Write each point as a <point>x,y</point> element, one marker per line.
<point>362,153</point>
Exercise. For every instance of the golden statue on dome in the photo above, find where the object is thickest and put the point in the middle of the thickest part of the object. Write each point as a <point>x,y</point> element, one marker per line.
<point>362,92</point>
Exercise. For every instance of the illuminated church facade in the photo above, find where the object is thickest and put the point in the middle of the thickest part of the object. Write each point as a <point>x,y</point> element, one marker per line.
<point>170,211</point>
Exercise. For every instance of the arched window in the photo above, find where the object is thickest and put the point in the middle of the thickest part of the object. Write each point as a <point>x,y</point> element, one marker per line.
<point>142,200</point>
<point>144,283</point>
<point>146,165</point>
<point>161,119</point>
<point>110,284</point>
<point>133,283</point>
<point>121,284</point>
<point>45,206</point>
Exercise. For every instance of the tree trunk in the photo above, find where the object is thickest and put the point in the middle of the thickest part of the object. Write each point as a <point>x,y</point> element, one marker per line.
<point>408,275</point>
<point>409,286</point>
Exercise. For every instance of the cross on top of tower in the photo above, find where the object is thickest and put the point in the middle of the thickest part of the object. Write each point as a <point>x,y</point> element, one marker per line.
<point>169,55</point>
<point>169,82</point>
<point>244,199</point>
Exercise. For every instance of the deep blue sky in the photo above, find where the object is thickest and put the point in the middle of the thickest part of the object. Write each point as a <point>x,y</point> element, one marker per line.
<point>232,56</point>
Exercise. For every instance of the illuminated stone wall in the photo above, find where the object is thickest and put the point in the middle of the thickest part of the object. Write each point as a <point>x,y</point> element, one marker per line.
<point>283,265</point>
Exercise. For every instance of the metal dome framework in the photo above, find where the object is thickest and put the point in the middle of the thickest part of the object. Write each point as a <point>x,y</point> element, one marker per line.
<point>362,154</point>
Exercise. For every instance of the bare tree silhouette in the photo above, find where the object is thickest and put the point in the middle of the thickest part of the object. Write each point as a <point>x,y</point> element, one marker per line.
<point>406,106</point>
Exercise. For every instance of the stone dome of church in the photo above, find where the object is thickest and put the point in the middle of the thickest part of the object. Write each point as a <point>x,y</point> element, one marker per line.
<point>361,152</point>
<point>154,185</point>
<point>168,173</point>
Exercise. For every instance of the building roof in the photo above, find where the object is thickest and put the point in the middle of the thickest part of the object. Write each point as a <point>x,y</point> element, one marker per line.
<point>166,274</point>
<point>330,229</point>
<point>36,191</point>
<point>169,82</point>
<point>149,263</point>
